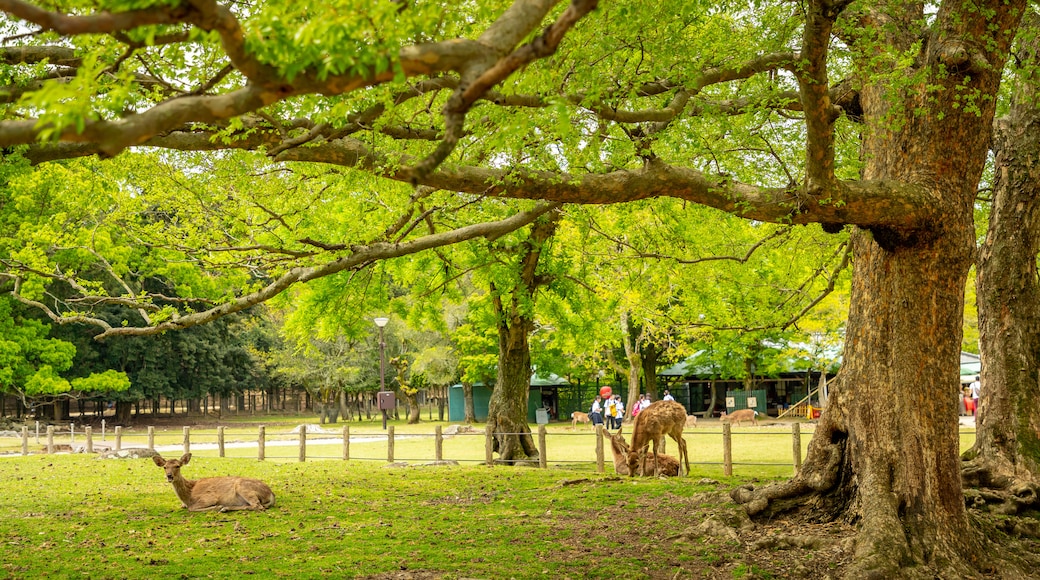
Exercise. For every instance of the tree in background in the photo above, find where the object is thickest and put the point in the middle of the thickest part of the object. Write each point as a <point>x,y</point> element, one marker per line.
<point>35,367</point>
<point>1005,459</point>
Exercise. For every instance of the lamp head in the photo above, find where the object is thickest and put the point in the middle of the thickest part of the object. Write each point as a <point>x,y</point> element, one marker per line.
<point>381,321</point>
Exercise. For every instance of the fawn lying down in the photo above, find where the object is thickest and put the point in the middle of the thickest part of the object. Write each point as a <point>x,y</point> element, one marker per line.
<point>215,493</point>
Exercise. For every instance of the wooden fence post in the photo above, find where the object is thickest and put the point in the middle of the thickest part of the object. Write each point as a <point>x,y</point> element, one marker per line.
<point>151,438</point>
<point>438,444</point>
<point>488,445</point>
<point>543,461</point>
<point>89,432</point>
<point>187,439</point>
<point>260,444</point>
<point>25,440</point>
<point>796,435</point>
<point>50,438</point>
<point>220,441</point>
<point>346,443</point>
<point>599,448</point>
<point>303,443</point>
<point>119,437</point>
<point>727,450</point>
<point>390,444</point>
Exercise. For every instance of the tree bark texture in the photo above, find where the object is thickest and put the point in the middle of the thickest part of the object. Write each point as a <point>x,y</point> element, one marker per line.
<point>885,454</point>
<point>1006,456</point>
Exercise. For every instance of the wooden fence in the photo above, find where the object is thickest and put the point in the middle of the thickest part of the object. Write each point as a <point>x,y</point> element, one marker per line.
<point>274,446</point>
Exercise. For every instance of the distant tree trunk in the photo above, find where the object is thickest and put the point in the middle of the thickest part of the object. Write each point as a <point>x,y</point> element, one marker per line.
<point>412,399</point>
<point>467,398</point>
<point>651,354</point>
<point>344,409</point>
<point>507,410</point>
<point>1006,454</point>
<point>123,409</point>
<point>634,359</point>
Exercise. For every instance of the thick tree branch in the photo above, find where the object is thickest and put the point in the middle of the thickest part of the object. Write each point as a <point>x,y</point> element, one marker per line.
<point>814,86</point>
<point>864,203</point>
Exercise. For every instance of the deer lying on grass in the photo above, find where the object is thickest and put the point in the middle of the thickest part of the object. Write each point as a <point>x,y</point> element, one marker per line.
<point>578,417</point>
<point>652,424</point>
<point>215,493</point>
<point>647,467</point>
<point>737,417</point>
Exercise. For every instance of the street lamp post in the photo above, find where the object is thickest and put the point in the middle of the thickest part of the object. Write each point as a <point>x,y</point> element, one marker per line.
<point>381,322</point>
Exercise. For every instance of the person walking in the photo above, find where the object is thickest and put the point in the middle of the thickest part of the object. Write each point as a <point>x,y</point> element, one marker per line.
<point>596,413</point>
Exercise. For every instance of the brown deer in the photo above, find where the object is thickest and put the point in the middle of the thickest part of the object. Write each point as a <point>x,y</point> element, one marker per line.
<point>738,417</point>
<point>578,417</point>
<point>652,424</point>
<point>619,447</point>
<point>215,493</point>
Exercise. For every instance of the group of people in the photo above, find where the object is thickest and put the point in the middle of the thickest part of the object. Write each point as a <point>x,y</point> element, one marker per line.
<point>611,411</point>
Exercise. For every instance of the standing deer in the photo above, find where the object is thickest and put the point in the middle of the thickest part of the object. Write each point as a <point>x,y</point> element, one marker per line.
<point>579,417</point>
<point>215,493</point>
<point>652,424</point>
<point>738,417</point>
<point>618,446</point>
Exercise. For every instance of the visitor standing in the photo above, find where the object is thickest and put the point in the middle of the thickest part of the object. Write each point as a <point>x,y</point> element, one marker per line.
<point>975,387</point>
<point>596,413</point>
<point>667,396</point>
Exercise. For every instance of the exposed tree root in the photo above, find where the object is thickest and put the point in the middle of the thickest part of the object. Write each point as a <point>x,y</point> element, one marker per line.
<point>991,483</point>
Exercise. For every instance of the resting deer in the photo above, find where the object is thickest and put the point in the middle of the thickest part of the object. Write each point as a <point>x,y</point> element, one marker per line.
<point>215,493</point>
<point>618,446</point>
<point>652,424</point>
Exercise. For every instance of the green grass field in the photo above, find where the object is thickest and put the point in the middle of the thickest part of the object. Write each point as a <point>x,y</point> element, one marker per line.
<point>73,516</point>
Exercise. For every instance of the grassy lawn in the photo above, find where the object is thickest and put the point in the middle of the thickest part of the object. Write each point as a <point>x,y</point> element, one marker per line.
<point>71,515</point>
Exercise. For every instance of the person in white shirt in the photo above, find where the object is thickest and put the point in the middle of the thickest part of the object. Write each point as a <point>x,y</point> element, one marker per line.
<point>596,414</point>
<point>619,412</point>
<point>611,413</point>
<point>975,387</point>
<point>667,396</point>
<point>645,403</point>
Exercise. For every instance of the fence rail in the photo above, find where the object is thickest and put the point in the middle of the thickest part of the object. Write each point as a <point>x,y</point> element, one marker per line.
<point>708,447</point>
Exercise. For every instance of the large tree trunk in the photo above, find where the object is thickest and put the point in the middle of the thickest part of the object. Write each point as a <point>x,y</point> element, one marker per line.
<point>885,453</point>
<point>1006,455</point>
